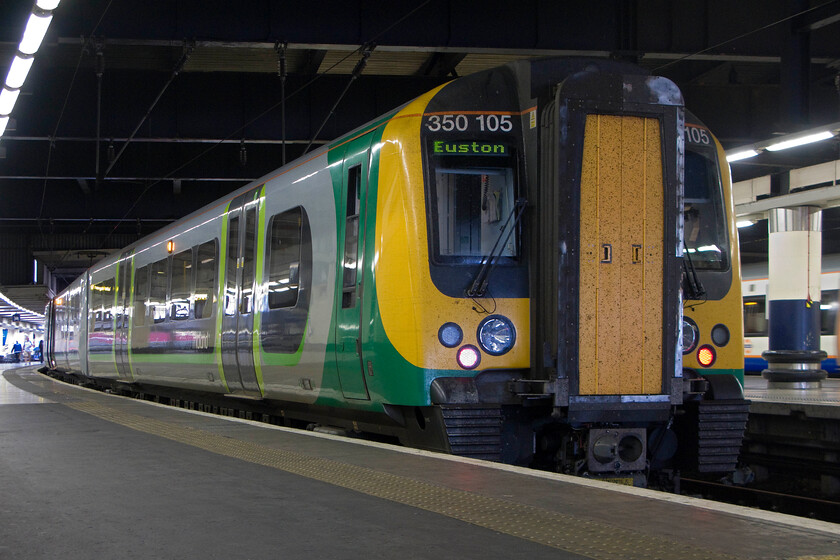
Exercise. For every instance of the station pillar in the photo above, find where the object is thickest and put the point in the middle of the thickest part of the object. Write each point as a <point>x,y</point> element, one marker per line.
<point>795,258</point>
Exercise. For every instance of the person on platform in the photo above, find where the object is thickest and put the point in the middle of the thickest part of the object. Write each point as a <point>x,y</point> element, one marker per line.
<point>16,350</point>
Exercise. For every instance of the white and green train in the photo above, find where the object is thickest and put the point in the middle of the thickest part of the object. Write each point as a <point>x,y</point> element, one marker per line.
<point>495,269</point>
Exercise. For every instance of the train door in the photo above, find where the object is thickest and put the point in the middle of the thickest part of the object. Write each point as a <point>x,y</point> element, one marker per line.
<point>239,290</point>
<point>353,207</point>
<point>123,315</point>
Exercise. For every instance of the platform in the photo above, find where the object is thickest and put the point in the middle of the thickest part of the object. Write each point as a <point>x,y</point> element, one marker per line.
<point>90,475</point>
<point>757,389</point>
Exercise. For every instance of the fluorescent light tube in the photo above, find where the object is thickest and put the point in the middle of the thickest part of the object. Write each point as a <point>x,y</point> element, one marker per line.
<point>800,141</point>
<point>18,71</point>
<point>744,223</point>
<point>34,33</point>
<point>743,154</point>
<point>47,5</point>
<point>8,98</point>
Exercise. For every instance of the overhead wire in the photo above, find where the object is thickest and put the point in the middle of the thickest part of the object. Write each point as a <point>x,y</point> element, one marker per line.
<point>360,50</point>
<point>741,36</point>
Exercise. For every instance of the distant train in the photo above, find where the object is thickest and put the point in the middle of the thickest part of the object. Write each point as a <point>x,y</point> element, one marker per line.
<point>755,279</point>
<point>497,269</point>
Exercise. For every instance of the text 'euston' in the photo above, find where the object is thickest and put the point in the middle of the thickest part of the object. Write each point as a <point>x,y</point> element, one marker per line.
<point>469,148</point>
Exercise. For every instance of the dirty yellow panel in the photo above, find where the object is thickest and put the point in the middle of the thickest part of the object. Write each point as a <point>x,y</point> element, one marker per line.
<point>609,278</point>
<point>621,257</point>
<point>632,233</point>
<point>655,258</point>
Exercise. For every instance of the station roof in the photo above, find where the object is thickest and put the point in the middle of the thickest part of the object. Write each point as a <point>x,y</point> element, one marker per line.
<point>137,112</point>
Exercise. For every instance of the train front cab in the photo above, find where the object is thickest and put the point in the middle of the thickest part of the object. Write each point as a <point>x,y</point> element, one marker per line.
<point>601,178</point>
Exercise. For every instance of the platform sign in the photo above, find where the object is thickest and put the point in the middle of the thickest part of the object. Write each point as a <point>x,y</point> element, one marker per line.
<point>16,318</point>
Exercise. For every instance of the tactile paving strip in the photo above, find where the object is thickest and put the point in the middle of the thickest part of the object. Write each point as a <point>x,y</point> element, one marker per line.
<point>584,537</point>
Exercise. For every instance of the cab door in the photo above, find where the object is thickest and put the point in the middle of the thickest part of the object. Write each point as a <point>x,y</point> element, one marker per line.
<point>352,208</point>
<point>238,304</point>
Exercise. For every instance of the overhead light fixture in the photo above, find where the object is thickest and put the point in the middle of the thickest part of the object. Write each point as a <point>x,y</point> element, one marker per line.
<point>47,5</point>
<point>801,141</point>
<point>743,154</point>
<point>34,33</point>
<point>19,70</point>
<point>744,223</point>
<point>8,98</point>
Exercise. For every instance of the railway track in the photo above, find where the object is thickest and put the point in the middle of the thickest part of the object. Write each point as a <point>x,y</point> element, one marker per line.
<point>792,504</point>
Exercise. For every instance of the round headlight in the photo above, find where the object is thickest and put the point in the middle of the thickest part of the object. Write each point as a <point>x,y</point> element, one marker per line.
<point>690,335</point>
<point>496,335</point>
<point>450,335</point>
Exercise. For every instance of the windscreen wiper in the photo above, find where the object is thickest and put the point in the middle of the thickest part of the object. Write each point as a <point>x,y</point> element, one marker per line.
<point>695,289</point>
<point>479,284</point>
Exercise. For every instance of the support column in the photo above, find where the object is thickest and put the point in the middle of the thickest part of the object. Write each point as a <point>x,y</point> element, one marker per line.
<point>793,293</point>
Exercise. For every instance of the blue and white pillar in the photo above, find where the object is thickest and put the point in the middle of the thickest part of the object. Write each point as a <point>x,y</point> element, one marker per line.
<point>793,293</point>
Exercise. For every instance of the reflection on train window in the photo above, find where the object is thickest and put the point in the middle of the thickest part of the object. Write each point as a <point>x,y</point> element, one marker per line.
<point>141,295</point>
<point>205,279</point>
<point>828,312</point>
<point>284,259</point>
<point>755,316</point>
<point>706,237</point>
<point>157,291</point>
<point>471,198</point>
<point>182,272</point>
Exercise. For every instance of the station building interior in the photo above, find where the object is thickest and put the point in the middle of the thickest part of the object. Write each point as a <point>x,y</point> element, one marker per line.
<point>130,115</point>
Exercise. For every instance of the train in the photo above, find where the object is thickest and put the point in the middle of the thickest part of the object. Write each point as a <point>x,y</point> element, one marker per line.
<point>756,341</point>
<point>535,264</point>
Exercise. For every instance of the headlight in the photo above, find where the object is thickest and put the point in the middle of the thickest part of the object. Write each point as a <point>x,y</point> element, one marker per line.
<point>496,335</point>
<point>690,335</point>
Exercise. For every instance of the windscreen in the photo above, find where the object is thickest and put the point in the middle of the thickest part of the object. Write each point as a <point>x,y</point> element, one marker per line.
<point>706,237</point>
<point>471,200</point>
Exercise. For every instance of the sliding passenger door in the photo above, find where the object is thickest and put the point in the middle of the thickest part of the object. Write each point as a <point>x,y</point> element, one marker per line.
<point>237,334</point>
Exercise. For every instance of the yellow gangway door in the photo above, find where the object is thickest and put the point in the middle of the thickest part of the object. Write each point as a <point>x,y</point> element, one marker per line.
<point>621,256</point>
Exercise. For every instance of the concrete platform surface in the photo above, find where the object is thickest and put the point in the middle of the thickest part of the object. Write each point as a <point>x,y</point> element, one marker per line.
<point>88,475</point>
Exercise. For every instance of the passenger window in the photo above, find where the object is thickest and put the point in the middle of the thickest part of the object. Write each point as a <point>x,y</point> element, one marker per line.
<point>351,236</point>
<point>284,259</point>
<point>102,301</point>
<point>231,266</point>
<point>182,269</point>
<point>157,291</point>
<point>755,316</point>
<point>141,295</point>
<point>205,279</point>
<point>828,312</point>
